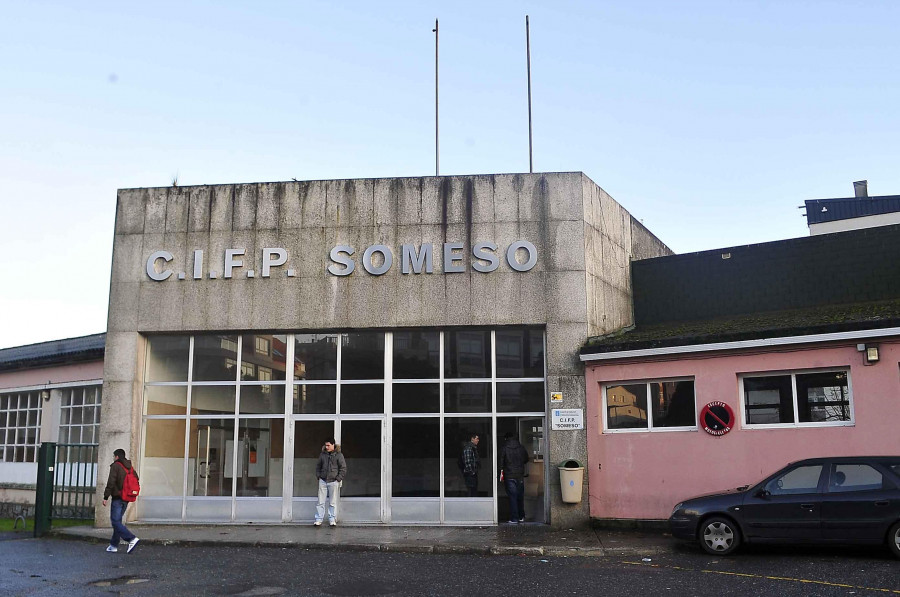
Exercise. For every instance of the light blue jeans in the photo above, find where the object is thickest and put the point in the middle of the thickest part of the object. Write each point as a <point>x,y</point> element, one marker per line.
<point>116,512</point>
<point>330,492</point>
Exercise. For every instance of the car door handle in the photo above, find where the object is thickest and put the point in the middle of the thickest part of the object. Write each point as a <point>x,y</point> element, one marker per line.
<point>883,503</point>
<point>807,506</point>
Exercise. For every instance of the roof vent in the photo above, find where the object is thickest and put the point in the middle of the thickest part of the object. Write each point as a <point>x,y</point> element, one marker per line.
<point>861,188</point>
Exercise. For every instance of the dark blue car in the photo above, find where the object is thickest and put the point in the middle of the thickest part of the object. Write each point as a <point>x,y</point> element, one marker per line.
<point>820,500</point>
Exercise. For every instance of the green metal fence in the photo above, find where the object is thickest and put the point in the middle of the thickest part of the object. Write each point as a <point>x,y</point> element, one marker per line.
<point>66,483</point>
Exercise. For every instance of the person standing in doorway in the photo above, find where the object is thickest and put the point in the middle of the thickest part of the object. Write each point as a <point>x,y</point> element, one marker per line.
<point>120,467</point>
<point>513,458</point>
<point>470,464</point>
<point>330,471</point>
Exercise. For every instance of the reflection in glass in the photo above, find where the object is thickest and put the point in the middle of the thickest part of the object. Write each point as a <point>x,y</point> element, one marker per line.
<point>467,397</point>
<point>801,480</point>
<point>215,358</point>
<point>626,406</point>
<point>315,399</point>
<point>823,397</point>
<point>315,356</point>
<point>520,352</point>
<point>263,357</point>
<point>167,358</point>
<point>768,399</point>
<point>362,355</point>
<point>361,445</point>
<point>208,400</point>
<point>362,398</point>
<point>415,464</point>
<point>417,355</point>
<point>467,354</point>
<point>260,457</point>
<point>309,438</point>
<point>162,467</point>
<point>416,397</point>
<point>210,457</point>
<point>457,431</point>
<point>164,400</point>
<point>262,399</point>
<point>520,397</point>
<point>673,404</point>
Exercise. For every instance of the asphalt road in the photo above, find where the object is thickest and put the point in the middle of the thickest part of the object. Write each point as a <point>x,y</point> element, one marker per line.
<point>64,567</point>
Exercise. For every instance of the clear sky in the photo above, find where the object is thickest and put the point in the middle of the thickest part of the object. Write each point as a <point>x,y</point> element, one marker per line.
<point>709,121</point>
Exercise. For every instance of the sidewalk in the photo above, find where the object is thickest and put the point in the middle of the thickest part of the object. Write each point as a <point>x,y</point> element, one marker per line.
<point>531,539</point>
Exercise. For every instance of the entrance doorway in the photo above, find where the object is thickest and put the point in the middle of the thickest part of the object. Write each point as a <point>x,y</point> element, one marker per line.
<point>530,433</point>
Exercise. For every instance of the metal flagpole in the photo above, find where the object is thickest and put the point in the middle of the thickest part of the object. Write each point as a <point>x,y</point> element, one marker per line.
<point>528,53</point>
<point>437,152</point>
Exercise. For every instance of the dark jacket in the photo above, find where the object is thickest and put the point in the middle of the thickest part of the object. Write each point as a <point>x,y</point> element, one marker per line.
<point>331,466</point>
<point>116,479</point>
<point>513,457</point>
<point>470,460</point>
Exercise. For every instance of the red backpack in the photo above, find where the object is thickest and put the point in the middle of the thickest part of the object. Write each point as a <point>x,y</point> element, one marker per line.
<point>130,487</point>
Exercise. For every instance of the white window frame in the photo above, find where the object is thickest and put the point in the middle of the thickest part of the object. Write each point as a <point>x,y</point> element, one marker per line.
<point>797,423</point>
<point>20,402</point>
<point>650,428</point>
<point>65,429</point>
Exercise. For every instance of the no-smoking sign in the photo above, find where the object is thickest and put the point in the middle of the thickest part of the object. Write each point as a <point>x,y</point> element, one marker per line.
<point>717,418</point>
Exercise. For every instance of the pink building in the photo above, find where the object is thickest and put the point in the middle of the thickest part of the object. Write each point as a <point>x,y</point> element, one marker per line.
<point>798,340</point>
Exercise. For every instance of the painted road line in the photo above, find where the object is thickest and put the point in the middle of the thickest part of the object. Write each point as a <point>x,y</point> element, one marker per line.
<point>763,576</point>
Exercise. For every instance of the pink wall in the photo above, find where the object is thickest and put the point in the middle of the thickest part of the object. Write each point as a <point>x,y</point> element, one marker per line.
<point>643,475</point>
<point>52,375</point>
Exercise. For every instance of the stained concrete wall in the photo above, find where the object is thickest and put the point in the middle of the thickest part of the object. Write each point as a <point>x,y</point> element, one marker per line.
<point>557,212</point>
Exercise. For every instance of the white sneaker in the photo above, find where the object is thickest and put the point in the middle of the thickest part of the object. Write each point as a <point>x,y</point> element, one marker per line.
<point>317,523</point>
<point>332,523</point>
<point>132,544</point>
<point>111,549</point>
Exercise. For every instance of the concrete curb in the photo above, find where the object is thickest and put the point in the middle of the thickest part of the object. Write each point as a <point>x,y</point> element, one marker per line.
<point>440,548</point>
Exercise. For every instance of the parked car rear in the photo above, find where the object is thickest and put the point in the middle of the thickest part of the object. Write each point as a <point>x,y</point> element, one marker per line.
<point>819,500</point>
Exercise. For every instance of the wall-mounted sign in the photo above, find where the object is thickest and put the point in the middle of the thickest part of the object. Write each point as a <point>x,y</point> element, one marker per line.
<point>717,418</point>
<point>566,418</point>
<point>520,256</point>
<point>555,396</point>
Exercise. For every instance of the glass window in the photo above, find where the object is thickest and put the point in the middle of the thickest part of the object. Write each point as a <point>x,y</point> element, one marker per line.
<point>801,480</point>
<point>457,434</point>
<point>854,477</point>
<point>520,353</point>
<point>164,400</point>
<point>262,399</point>
<point>260,457</point>
<point>467,398</point>
<point>312,399</point>
<point>673,404</point>
<point>80,415</point>
<point>207,400</point>
<point>210,457</point>
<point>362,355</point>
<point>362,398</point>
<point>823,397</point>
<point>417,355</point>
<point>215,358</point>
<point>167,358</point>
<point>309,438</point>
<point>626,406</point>
<point>360,444</point>
<point>467,354</point>
<point>820,398</point>
<point>263,358</point>
<point>162,467</point>
<point>315,356</point>
<point>515,397</point>
<point>416,397</point>
<point>22,414</point>
<point>415,464</point>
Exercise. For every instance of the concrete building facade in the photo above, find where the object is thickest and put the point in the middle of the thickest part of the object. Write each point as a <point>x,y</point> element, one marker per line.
<point>247,320</point>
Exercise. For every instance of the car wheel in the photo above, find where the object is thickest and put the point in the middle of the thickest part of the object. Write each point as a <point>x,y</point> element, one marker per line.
<point>719,536</point>
<point>894,539</point>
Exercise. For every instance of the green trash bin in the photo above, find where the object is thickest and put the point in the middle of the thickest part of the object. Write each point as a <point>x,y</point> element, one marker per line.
<point>571,480</point>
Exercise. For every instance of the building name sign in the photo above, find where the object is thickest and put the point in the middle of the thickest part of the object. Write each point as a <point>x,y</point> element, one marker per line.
<point>566,418</point>
<point>520,256</point>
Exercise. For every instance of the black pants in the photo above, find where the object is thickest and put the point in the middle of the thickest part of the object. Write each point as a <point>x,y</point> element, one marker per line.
<point>472,484</point>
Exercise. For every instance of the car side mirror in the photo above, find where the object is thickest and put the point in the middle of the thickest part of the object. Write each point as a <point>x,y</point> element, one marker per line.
<point>762,493</point>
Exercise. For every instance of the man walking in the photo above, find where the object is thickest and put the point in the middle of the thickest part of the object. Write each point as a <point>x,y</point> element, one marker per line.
<point>513,457</point>
<point>120,467</point>
<point>470,464</point>
<point>330,471</point>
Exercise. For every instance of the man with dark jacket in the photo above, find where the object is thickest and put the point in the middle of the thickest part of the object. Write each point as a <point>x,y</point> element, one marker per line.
<point>513,457</point>
<point>470,463</point>
<point>120,467</point>
<point>330,471</point>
